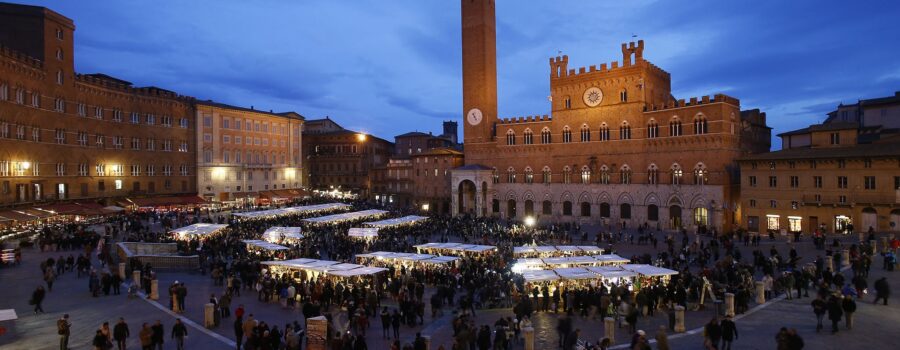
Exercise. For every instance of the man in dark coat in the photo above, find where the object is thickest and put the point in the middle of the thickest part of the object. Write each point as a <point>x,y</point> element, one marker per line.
<point>239,330</point>
<point>158,336</point>
<point>882,290</point>
<point>835,312</point>
<point>729,332</point>
<point>121,333</point>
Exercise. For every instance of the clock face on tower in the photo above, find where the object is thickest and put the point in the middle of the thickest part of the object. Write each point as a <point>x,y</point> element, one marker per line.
<point>474,116</point>
<point>593,96</point>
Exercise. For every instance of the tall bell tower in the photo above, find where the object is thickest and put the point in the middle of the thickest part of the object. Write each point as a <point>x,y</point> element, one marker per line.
<point>479,63</point>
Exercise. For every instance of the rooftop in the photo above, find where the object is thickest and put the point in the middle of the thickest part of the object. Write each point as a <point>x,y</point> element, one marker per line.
<point>872,150</point>
<point>211,103</point>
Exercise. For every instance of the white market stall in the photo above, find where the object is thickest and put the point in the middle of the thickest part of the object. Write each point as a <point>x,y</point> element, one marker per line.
<point>524,264</point>
<point>387,259</point>
<point>283,234</point>
<point>313,268</point>
<point>363,233</point>
<point>197,231</point>
<point>402,221</point>
<point>342,217</point>
<point>536,251</point>
<point>456,249</point>
<point>279,212</point>
<point>263,245</point>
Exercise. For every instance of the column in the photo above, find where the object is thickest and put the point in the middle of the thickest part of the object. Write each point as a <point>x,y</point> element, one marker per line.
<point>884,244</point>
<point>529,337</point>
<point>122,271</point>
<point>208,319</point>
<point>845,257</point>
<point>136,278</point>
<point>679,319</point>
<point>829,263</point>
<point>154,290</point>
<point>760,292</point>
<point>427,342</point>
<point>729,304</point>
<point>609,328</point>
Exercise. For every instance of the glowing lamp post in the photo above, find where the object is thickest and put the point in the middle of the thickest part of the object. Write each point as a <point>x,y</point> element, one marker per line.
<point>529,221</point>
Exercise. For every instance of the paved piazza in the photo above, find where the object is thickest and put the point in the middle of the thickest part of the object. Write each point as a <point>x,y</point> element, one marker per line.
<point>757,328</point>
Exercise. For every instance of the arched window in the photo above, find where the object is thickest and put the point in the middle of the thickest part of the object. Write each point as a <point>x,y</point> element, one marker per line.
<point>652,212</point>
<point>567,174</point>
<point>604,210</point>
<point>625,211</point>
<point>510,137</point>
<point>567,208</point>
<point>495,176</point>
<point>527,137</point>
<point>585,209</point>
<point>604,174</point>
<point>623,96</point>
<point>604,132</point>
<point>625,131</point>
<point>701,126</point>
<point>675,127</point>
<point>625,174</point>
<point>677,173</point>
<point>546,175</point>
<point>545,135</point>
<point>701,175</point>
<point>585,133</point>
<point>547,208</point>
<point>511,175</point>
<point>585,175</point>
<point>652,129</point>
<point>652,174</point>
<point>529,175</point>
<point>567,134</point>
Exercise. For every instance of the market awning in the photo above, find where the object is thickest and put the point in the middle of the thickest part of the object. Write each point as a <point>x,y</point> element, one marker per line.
<point>38,213</point>
<point>17,215</point>
<point>244,195</point>
<point>61,208</point>
<point>167,201</point>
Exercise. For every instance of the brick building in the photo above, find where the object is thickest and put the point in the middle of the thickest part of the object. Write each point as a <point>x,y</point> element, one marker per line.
<point>82,137</point>
<point>845,171</point>
<point>341,159</point>
<point>246,153</point>
<point>618,148</point>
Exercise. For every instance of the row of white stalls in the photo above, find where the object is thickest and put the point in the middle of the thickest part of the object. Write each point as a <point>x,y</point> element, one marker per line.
<point>370,231</point>
<point>525,264</point>
<point>455,249</point>
<point>344,217</point>
<point>200,231</point>
<point>408,260</point>
<point>309,269</point>
<point>536,251</point>
<point>289,211</point>
<point>283,235</point>
<point>634,276</point>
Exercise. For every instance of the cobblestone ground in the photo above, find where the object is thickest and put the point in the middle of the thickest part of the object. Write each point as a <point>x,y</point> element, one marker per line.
<point>875,325</point>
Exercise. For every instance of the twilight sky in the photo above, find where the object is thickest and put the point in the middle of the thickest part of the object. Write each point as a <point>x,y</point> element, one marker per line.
<point>392,66</point>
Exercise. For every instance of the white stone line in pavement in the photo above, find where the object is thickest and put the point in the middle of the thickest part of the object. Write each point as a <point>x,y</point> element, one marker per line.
<point>188,321</point>
<point>736,318</point>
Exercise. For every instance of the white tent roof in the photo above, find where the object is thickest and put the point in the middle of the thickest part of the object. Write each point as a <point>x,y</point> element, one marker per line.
<point>277,234</point>
<point>441,260</point>
<point>8,315</point>
<point>575,273</point>
<point>346,216</point>
<point>197,230</point>
<point>362,271</point>
<point>590,249</point>
<point>264,245</point>
<point>649,270</point>
<point>363,232</point>
<point>406,220</point>
<point>612,259</point>
<point>611,271</point>
<point>539,275</point>
<point>292,210</point>
<point>437,245</point>
<point>523,250</point>
<point>290,263</point>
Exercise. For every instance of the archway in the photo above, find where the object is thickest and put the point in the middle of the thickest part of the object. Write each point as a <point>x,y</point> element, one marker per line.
<point>895,220</point>
<point>625,211</point>
<point>652,212</point>
<point>511,209</point>
<point>675,216</point>
<point>604,210</point>
<point>529,208</point>
<point>869,219</point>
<point>466,198</point>
<point>585,209</point>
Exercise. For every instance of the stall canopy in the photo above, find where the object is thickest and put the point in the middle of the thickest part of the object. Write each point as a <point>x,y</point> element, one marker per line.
<point>611,271</point>
<point>336,218</point>
<point>454,248</point>
<point>649,270</point>
<point>539,276</point>
<point>326,266</point>
<point>550,251</point>
<point>197,230</point>
<point>363,232</point>
<point>525,264</point>
<point>273,213</point>
<point>391,257</point>
<point>167,201</point>
<point>264,245</point>
<point>575,273</point>
<point>406,220</point>
<point>280,234</point>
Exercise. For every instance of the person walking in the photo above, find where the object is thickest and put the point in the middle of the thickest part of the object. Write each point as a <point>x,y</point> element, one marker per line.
<point>100,341</point>
<point>179,332</point>
<point>37,299</point>
<point>64,327</point>
<point>849,307</point>
<point>158,336</point>
<point>121,333</point>
<point>835,312</point>
<point>239,330</point>
<point>882,290</point>
<point>729,332</point>
<point>713,334</point>
<point>819,308</point>
<point>146,337</point>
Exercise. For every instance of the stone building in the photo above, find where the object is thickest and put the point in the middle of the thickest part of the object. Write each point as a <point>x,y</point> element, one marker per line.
<point>829,176</point>
<point>246,153</point>
<point>618,147</point>
<point>82,137</point>
<point>341,160</point>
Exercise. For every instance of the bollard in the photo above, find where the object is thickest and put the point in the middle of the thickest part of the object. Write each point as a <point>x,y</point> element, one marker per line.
<point>729,304</point>
<point>829,263</point>
<point>874,246</point>
<point>609,328</point>
<point>760,292</point>
<point>122,271</point>
<point>208,318</point>
<point>529,337</point>
<point>679,319</point>
<point>845,258</point>
<point>136,278</point>
<point>884,244</point>
<point>427,341</point>
<point>154,290</point>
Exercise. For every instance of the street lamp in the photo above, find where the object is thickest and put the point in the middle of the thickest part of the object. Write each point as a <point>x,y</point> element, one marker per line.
<point>26,165</point>
<point>360,137</point>
<point>529,221</point>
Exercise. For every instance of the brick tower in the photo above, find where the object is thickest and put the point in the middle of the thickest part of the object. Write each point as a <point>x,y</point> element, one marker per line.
<point>479,54</point>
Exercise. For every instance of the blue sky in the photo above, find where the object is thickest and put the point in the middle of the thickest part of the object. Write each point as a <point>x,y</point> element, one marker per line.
<point>392,66</point>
